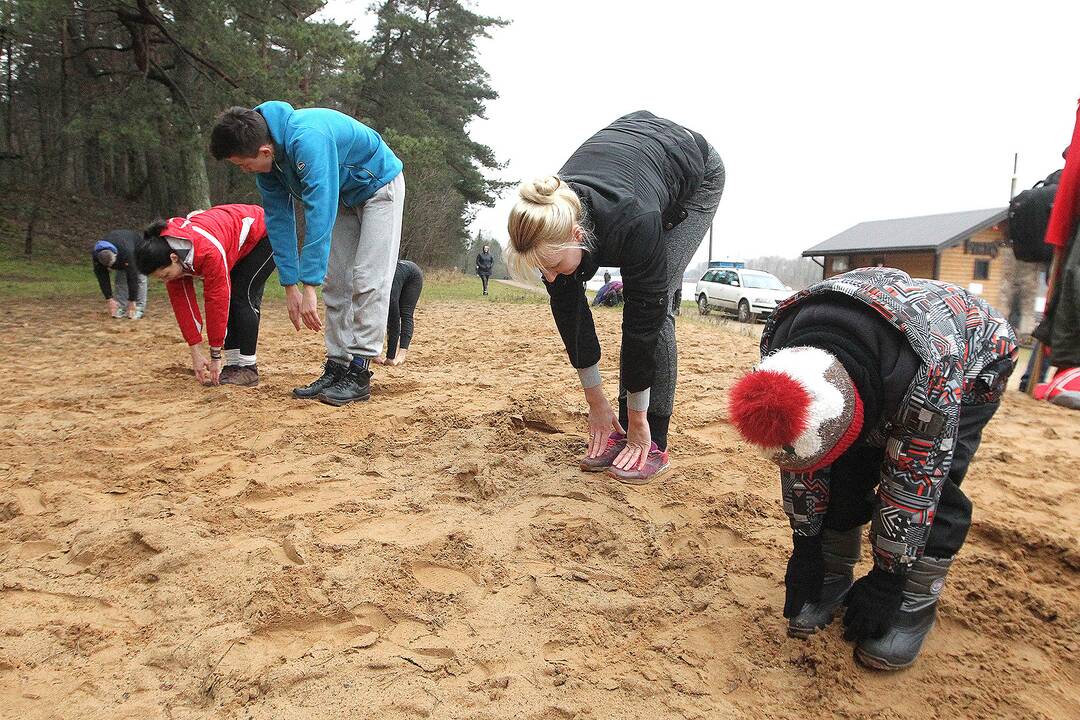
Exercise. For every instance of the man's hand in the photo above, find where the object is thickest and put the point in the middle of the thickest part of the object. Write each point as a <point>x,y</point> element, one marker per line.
<point>872,604</point>
<point>292,302</point>
<point>638,443</point>
<point>131,311</point>
<point>111,306</point>
<point>805,574</point>
<point>200,364</point>
<point>309,309</point>
<point>602,420</point>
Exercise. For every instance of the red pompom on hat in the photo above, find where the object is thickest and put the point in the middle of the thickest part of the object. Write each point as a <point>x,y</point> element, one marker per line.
<point>800,405</point>
<point>769,408</point>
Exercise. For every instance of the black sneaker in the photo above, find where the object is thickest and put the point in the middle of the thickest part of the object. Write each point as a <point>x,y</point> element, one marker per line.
<point>331,374</point>
<point>353,386</point>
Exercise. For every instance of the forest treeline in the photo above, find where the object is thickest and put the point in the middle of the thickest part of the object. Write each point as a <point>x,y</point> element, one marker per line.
<point>117,97</point>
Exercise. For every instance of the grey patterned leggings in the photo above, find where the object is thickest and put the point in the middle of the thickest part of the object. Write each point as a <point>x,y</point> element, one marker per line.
<point>681,243</point>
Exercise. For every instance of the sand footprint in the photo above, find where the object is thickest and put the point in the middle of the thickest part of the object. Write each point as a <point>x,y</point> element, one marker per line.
<point>441,579</point>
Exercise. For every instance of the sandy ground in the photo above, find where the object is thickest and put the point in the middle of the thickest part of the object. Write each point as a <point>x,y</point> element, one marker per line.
<point>170,551</point>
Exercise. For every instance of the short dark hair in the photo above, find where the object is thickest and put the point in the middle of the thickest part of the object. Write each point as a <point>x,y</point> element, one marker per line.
<point>105,257</point>
<point>238,132</point>
<point>153,251</point>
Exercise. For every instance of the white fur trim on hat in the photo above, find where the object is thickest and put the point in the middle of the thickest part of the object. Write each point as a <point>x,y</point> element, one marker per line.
<point>808,365</point>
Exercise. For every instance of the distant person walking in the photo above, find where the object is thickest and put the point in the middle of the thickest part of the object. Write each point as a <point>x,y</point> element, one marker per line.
<point>485,261</point>
<point>638,195</point>
<point>404,294</point>
<point>116,252</point>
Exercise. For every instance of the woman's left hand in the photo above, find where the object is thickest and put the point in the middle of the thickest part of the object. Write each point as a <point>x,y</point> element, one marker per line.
<point>638,443</point>
<point>215,370</point>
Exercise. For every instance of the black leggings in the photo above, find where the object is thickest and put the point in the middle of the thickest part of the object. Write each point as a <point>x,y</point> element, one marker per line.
<point>248,277</point>
<point>855,475</point>
<point>399,323</point>
<point>484,279</point>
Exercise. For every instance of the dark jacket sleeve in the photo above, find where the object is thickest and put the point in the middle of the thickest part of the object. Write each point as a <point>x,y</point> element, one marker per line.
<point>102,273</point>
<point>393,318</point>
<point>570,308</point>
<point>645,302</point>
<point>132,272</point>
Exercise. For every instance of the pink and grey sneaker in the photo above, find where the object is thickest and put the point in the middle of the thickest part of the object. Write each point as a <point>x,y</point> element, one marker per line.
<point>615,444</point>
<point>656,463</point>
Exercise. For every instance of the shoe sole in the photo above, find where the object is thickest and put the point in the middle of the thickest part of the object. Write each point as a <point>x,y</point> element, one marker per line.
<point>306,397</point>
<point>803,633</point>
<point>593,468</point>
<point>639,481</point>
<point>341,403</point>
<point>876,663</point>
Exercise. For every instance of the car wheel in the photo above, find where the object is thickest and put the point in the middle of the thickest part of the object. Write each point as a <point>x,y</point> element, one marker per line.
<point>703,304</point>
<point>745,316</point>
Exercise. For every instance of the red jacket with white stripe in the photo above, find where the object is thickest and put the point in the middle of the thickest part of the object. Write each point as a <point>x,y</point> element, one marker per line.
<point>220,238</point>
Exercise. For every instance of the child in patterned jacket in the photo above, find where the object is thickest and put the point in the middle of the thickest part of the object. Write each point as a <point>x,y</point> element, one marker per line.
<point>874,380</point>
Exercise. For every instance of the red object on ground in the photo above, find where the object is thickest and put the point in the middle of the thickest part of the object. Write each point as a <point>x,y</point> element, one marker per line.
<point>1063,214</point>
<point>1064,381</point>
<point>769,408</point>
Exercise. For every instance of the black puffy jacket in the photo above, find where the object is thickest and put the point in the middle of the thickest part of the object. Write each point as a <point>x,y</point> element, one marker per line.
<point>632,177</point>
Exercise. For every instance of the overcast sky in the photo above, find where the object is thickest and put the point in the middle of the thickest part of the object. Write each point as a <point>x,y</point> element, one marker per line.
<point>826,113</point>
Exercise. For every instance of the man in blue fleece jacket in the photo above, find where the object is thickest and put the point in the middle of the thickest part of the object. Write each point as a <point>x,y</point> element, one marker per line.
<point>353,192</point>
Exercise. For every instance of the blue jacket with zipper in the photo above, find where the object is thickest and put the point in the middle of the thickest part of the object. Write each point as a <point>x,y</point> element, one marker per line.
<point>322,158</point>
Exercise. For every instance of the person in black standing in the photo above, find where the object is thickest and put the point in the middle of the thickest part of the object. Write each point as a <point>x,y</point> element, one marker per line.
<point>404,294</point>
<point>485,261</point>
<point>116,251</point>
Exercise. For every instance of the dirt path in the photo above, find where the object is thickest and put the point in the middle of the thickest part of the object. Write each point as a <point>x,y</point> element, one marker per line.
<point>170,551</point>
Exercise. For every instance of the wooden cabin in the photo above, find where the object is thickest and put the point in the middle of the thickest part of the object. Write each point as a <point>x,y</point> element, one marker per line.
<point>964,248</point>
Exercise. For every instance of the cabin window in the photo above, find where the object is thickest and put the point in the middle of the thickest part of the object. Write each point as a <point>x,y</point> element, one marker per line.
<point>841,263</point>
<point>982,270</point>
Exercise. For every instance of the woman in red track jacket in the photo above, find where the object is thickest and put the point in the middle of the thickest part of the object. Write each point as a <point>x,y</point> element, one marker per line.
<point>225,246</point>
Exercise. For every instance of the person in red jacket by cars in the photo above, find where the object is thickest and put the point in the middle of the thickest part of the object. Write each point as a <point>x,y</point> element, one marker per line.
<point>226,246</point>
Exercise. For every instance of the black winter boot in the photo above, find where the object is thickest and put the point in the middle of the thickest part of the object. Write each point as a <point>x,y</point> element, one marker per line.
<point>901,643</point>
<point>353,386</point>
<point>841,551</point>
<point>331,374</point>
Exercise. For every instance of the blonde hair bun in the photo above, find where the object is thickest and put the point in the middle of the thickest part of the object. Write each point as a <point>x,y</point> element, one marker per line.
<point>541,191</point>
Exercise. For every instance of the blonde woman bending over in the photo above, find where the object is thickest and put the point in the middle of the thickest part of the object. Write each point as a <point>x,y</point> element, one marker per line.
<point>640,195</point>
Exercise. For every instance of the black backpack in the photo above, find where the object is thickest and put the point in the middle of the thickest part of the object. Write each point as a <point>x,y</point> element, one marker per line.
<point>1029,215</point>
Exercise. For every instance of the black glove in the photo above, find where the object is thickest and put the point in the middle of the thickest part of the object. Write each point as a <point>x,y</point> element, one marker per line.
<point>872,604</point>
<point>805,574</point>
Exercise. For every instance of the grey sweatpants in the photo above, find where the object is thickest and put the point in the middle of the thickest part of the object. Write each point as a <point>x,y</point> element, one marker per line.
<point>680,243</point>
<point>123,294</point>
<point>363,258</point>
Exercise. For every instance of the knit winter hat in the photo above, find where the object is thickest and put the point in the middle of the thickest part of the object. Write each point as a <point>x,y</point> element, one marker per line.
<point>800,406</point>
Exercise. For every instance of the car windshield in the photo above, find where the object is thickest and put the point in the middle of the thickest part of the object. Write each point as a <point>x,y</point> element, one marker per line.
<point>762,281</point>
